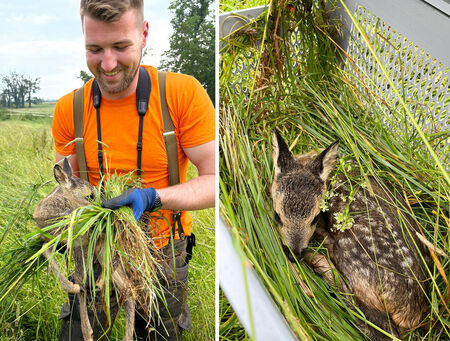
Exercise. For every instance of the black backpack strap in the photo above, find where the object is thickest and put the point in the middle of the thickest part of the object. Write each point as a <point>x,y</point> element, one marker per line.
<point>78,113</point>
<point>170,142</point>
<point>96,99</point>
<point>143,90</point>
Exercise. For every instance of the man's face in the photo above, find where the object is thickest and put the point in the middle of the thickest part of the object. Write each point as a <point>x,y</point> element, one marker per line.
<point>113,52</point>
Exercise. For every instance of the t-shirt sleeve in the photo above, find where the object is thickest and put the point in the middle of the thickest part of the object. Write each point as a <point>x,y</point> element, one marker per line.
<point>191,109</point>
<point>62,126</point>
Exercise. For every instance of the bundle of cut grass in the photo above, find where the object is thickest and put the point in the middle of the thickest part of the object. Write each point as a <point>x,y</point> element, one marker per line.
<point>314,102</point>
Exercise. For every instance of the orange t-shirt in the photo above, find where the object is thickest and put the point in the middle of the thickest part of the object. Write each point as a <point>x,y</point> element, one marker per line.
<point>193,117</point>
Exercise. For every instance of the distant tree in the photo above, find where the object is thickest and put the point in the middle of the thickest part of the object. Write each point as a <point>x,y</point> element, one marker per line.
<point>10,88</point>
<point>16,87</point>
<point>192,42</point>
<point>85,76</point>
<point>32,86</point>
<point>37,100</point>
<point>147,51</point>
<point>6,98</point>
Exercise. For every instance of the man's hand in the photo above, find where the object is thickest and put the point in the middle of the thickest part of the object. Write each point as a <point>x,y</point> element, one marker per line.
<point>139,200</point>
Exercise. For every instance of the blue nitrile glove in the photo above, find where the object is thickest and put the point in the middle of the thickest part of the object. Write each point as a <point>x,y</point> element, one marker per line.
<point>139,200</point>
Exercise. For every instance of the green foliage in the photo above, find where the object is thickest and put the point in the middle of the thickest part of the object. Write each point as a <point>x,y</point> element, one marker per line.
<point>192,44</point>
<point>230,327</point>
<point>37,112</point>
<point>33,313</point>
<point>17,89</point>
<point>85,76</point>
<point>234,5</point>
<point>304,93</point>
<point>202,274</point>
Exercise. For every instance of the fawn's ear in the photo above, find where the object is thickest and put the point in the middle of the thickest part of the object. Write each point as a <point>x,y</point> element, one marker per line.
<point>281,155</point>
<point>325,161</point>
<point>62,174</point>
<point>66,167</point>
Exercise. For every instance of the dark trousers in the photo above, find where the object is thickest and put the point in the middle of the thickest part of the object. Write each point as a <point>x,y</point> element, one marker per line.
<point>174,312</point>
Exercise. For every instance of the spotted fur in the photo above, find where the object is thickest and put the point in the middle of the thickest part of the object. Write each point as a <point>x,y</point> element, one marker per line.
<point>377,256</point>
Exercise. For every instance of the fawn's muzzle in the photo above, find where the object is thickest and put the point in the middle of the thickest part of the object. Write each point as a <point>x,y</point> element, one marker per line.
<point>293,255</point>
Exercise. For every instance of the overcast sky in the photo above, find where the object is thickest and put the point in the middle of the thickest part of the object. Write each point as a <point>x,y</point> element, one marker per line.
<point>44,39</point>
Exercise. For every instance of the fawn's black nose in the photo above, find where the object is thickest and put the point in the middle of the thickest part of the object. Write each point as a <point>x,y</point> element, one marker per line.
<point>292,255</point>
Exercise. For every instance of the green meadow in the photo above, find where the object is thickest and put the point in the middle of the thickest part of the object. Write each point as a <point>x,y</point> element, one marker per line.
<point>26,172</point>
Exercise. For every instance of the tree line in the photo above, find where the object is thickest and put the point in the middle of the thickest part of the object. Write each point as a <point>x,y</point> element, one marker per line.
<point>192,44</point>
<point>18,89</point>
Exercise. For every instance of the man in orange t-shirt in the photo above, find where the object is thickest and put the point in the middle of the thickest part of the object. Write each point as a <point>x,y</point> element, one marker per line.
<point>192,114</point>
<point>115,34</point>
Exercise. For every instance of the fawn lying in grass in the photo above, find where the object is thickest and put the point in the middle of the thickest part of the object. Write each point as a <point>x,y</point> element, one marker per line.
<point>376,254</point>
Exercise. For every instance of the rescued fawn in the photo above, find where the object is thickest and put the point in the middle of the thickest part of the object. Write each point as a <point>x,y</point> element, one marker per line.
<point>71,193</point>
<point>376,259</point>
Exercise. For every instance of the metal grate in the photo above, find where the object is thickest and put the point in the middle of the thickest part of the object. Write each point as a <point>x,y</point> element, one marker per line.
<point>243,71</point>
<point>423,81</point>
<point>244,63</point>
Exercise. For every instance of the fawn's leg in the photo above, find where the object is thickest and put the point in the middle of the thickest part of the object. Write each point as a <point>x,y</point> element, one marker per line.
<point>65,284</point>
<point>121,282</point>
<point>80,258</point>
<point>85,324</point>
<point>325,268</point>
<point>129,307</point>
<point>379,318</point>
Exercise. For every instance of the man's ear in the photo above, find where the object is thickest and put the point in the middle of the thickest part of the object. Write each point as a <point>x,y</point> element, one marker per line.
<point>324,163</point>
<point>281,155</point>
<point>145,28</point>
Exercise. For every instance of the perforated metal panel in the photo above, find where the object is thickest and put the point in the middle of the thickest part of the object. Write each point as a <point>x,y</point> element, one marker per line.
<point>422,80</point>
<point>244,63</point>
<point>420,73</point>
<point>243,71</point>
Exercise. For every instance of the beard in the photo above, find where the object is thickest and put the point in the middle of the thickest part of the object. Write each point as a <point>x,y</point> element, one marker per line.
<point>128,74</point>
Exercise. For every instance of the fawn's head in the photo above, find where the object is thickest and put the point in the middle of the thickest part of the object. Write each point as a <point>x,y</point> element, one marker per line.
<point>298,186</point>
<point>71,193</point>
<point>78,189</point>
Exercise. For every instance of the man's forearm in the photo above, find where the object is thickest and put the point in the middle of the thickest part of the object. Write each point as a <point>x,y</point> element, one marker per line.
<point>195,194</point>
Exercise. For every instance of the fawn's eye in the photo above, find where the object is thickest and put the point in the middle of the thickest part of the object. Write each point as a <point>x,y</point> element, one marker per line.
<point>315,220</point>
<point>277,218</point>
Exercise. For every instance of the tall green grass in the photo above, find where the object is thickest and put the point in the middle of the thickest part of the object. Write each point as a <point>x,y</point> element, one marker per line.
<point>233,5</point>
<point>313,103</point>
<point>26,150</point>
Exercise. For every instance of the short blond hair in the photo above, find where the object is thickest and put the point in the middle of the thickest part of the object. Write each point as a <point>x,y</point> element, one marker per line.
<point>111,10</point>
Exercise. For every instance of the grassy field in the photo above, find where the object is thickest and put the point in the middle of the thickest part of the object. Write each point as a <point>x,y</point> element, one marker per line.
<point>233,5</point>
<point>26,151</point>
<point>35,112</point>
